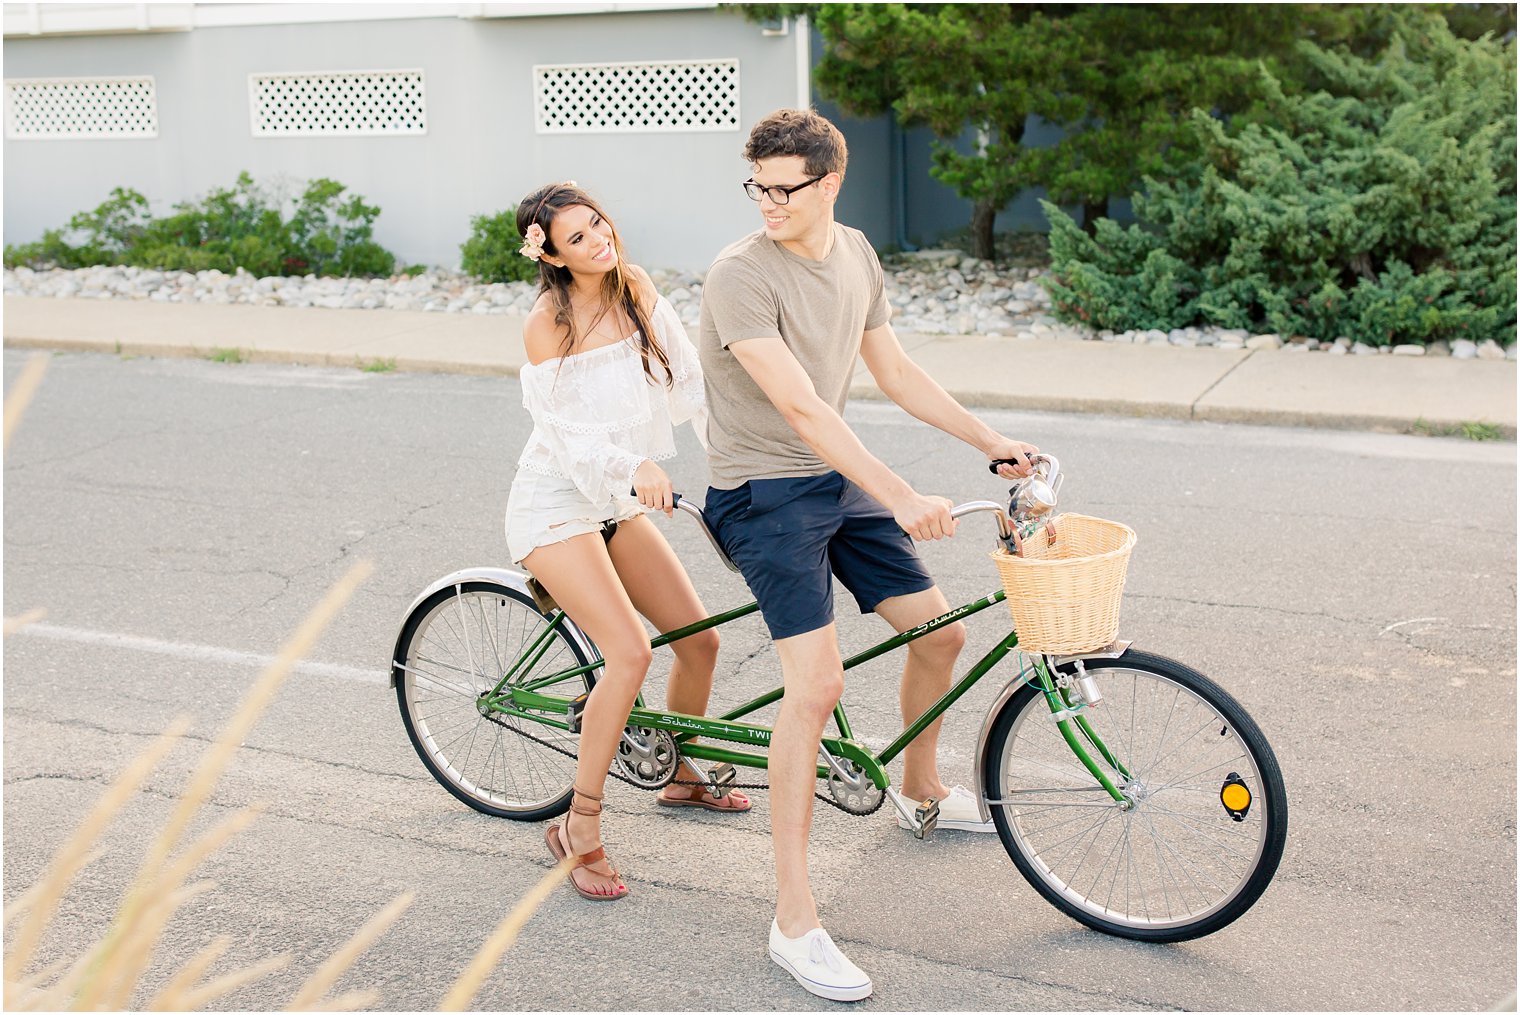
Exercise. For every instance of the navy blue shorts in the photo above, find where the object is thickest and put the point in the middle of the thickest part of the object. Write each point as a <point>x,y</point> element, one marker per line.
<point>786,535</point>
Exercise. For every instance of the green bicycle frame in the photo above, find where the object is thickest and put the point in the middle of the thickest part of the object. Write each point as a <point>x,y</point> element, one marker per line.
<point>529,701</point>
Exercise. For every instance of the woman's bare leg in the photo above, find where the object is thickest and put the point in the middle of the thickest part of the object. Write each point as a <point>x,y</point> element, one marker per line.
<point>579,575</point>
<point>661,590</point>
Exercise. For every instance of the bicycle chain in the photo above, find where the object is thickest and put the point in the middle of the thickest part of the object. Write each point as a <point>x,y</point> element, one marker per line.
<point>759,786</point>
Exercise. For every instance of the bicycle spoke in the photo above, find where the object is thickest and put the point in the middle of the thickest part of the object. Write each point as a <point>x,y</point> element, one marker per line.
<point>459,650</point>
<point>1172,857</point>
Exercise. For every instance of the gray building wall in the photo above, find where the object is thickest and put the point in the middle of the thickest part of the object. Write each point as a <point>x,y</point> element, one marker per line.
<point>675,196</point>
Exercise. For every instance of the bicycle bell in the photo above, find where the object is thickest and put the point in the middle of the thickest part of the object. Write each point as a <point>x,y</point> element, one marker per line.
<point>1034,496</point>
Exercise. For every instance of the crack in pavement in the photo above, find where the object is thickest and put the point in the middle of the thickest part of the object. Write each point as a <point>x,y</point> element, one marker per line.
<point>1355,621</point>
<point>68,456</point>
<point>204,739</point>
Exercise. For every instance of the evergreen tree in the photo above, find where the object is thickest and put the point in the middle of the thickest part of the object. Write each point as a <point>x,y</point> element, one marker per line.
<point>1128,78</point>
<point>955,68</point>
<point>1380,205</point>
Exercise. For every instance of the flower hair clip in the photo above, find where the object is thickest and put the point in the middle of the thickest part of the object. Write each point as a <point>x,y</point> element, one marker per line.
<point>533,249</point>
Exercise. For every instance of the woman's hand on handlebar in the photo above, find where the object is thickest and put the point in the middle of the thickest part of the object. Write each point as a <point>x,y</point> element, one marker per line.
<point>652,487</point>
<point>1011,458</point>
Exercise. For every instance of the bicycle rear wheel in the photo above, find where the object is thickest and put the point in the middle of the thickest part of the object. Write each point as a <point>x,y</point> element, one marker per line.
<point>454,648</point>
<point>1208,814</point>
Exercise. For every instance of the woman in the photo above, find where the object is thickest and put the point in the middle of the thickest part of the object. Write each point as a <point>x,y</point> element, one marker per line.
<point>610,372</point>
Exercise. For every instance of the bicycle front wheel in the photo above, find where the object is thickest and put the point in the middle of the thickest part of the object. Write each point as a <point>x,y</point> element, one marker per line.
<point>1206,814</point>
<point>455,648</point>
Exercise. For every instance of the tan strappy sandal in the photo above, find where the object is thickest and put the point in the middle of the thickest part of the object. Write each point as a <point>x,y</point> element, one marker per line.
<point>559,845</point>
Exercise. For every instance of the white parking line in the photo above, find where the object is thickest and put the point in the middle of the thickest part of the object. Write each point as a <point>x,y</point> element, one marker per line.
<point>206,653</point>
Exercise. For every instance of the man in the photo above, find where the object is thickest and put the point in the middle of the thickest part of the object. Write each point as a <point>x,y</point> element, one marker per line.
<point>785,312</point>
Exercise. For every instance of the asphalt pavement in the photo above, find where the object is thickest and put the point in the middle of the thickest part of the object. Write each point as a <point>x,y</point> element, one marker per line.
<point>176,518</point>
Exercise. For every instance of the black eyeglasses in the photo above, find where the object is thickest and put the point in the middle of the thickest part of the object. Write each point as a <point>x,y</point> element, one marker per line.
<point>778,195</point>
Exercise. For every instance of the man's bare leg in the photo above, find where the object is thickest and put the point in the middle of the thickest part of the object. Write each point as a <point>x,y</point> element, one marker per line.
<point>814,679</point>
<point>926,676</point>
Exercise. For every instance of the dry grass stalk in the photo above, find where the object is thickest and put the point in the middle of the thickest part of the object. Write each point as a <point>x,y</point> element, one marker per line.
<point>109,971</point>
<point>171,997</point>
<point>351,1000</point>
<point>108,974</point>
<point>321,981</point>
<point>468,984</point>
<point>20,395</point>
<point>64,994</point>
<point>213,763</point>
<point>40,902</point>
<point>121,970</point>
<point>232,981</point>
<point>14,624</point>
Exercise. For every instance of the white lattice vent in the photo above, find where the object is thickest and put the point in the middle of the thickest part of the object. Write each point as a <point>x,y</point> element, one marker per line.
<point>635,97</point>
<point>349,102</point>
<point>80,108</point>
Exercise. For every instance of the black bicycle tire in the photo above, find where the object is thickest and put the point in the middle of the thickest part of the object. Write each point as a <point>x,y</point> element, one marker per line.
<point>409,631</point>
<point>1245,727</point>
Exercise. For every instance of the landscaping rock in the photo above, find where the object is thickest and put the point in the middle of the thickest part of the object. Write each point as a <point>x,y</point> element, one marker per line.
<point>1438,348</point>
<point>1409,350</point>
<point>932,292</point>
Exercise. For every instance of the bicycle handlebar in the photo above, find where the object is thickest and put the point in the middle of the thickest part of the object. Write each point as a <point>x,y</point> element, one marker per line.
<point>958,511</point>
<point>1034,459</point>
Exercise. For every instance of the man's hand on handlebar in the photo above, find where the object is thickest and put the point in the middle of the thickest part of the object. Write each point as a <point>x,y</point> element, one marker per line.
<point>924,517</point>
<point>652,487</point>
<point>1012,458</point>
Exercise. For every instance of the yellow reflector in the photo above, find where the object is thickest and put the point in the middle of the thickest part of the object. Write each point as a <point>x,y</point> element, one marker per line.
<point>1235,797</point>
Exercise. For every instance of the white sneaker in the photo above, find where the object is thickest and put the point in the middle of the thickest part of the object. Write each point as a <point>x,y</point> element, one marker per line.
<point>817,963</point>
<point>958,812</point>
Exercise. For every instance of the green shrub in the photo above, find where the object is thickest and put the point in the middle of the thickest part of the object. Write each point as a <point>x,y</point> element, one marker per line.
<point>490,254</point>
<point>1380,206</point>
<point>231,228</point>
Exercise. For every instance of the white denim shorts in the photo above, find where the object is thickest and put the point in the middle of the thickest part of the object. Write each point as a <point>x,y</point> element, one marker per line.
<point>546,509</point>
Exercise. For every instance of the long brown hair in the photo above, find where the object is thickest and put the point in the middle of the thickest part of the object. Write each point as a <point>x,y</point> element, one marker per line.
<point>542,206</point>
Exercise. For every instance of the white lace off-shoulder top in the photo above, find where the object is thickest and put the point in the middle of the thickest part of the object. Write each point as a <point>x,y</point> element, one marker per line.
<point>597,416</point>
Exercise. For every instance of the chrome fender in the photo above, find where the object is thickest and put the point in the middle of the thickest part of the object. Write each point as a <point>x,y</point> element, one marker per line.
<point>507,578</point>
<point>1113,651</point>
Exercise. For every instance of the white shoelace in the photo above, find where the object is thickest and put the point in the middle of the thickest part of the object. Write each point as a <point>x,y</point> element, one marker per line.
<point>820,952</point>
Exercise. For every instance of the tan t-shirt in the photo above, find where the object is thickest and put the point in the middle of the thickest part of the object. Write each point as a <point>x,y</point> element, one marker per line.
<point>758,289</point>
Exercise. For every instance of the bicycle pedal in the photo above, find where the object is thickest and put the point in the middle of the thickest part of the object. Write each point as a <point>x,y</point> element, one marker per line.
<point>925,818</point>
<point>720,779</point>
<point>575,710</point>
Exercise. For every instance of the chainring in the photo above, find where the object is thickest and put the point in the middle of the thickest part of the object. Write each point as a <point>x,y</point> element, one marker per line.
<point>651,761</point>
<point>854,792</point>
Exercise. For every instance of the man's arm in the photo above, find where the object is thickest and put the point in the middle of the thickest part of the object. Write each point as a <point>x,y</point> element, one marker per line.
<point>906,383</point>
<point>773,367</point>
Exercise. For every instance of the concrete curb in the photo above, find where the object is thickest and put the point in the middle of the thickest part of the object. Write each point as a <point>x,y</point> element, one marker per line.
<point>1387,394</point>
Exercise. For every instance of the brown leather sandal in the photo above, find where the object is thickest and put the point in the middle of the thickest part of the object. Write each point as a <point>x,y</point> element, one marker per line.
<point>559,845</point>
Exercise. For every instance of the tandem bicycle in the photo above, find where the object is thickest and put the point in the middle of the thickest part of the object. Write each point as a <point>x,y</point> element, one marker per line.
<point>1131,791</point>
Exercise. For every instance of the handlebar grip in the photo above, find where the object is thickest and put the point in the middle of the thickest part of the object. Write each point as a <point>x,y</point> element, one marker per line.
<point>992,466</point>
<point>675,498</point>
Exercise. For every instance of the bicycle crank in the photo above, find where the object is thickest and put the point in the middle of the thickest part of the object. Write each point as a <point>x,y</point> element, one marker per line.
<point>852,790</point>
<point>648,757</point>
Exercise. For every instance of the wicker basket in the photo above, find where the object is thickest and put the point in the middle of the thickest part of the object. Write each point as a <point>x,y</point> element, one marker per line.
<point>1064,595</point>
